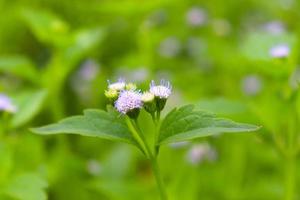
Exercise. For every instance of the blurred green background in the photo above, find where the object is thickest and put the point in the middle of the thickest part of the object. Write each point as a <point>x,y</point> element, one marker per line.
<point>57,55</point>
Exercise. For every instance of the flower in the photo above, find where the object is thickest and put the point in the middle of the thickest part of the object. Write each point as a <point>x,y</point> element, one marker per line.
<point>162,91</point>
<point>201,152</point>
<point>130,86</point>
<point>128,101</point>
<point>196,17</point>
<point>111,94</point>
<point>147,97</point>
<point>280,51</point>
<point>118,86</point>
<point>6,104</point>
<point>149,102</point>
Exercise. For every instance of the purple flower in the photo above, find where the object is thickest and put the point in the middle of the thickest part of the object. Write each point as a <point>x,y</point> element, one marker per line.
<point>280,51</point>
<point>162,91</point>
<point>128,101</point>
<point>169,47</point>
<point>6,104</point>
<point>196,17</point>
<point>251,85</point>
<point>201,152</point>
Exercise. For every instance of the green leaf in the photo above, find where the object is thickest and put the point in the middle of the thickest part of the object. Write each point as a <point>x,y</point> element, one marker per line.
<point>94,123</point>
<point>27,186</point>
<point>187,123</point>
<point>18,66</point>
<point>45,25</point>
<point>29,105</point>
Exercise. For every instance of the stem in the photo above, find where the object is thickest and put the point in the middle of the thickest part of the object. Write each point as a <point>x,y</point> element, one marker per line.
<point>158,178</point>
<point>290,178</point>
<point>136,135</point>
<point>154,164</point>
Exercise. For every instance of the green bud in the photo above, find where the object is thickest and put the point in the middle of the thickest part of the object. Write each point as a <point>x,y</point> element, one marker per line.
<point>149,103</point>
<point>111,94</point>
<point>160,103</point>
<point>130,86</point>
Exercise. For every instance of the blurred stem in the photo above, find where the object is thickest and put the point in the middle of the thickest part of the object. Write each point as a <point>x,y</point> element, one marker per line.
<point>158,177</point>
<point>154,164</point>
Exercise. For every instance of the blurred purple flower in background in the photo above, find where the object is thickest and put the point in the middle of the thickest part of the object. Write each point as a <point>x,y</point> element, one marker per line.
<point>200,152</point>
<point>196,17</point>
<point>6,104</point>
<point>251,85</point>
<point>81,81</point>
<point>280,51</point>
<point>274,27</point>
<point>93,167</point>
<point>169,47</point>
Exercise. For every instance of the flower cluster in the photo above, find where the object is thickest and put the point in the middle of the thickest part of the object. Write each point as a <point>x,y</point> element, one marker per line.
<point>128,100</point>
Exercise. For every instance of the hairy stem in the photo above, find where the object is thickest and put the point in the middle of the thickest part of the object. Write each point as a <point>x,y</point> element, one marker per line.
<point>154,164</point>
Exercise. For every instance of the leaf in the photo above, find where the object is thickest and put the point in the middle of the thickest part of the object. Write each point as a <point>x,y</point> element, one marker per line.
<point>45,25</point>
<point>18,66</point>
<point>187,123</point>
<point>27,186</point>
<point>94,123</point>
<point>28,106</point>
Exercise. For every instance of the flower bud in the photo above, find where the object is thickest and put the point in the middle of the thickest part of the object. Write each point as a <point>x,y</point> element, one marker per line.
<point>130,86</point>
<point>149,102</point>
<point>111,94</point>
<point>161,93</point>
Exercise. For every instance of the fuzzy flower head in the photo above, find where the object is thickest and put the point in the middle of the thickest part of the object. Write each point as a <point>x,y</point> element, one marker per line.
<point>118,86</point>
<point>280,51</point>
<point>162,91</point>
<point>128,101</point>
<point>6,104</point>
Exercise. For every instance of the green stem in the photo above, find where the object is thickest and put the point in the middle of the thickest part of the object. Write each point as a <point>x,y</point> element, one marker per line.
<point>158,178</point>
<point>154,164</point>
<point>137,137</point>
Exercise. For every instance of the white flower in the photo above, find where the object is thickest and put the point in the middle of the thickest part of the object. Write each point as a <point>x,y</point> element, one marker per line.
<point>163,91</point>
<point>120,85</point>
<point>280,51</point>
<point>128,101</point>
<point>147,97</point>
<point>6,104</point>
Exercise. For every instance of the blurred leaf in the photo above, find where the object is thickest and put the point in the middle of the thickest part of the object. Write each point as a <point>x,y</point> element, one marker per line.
<point>222,106</point>
<point>46,26</point>
<point>18,66</point>
<point>187,123</point>
<point>28,106</point>
<point>26,187</point>
<point>257,45</point>
<point>94,123</point>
